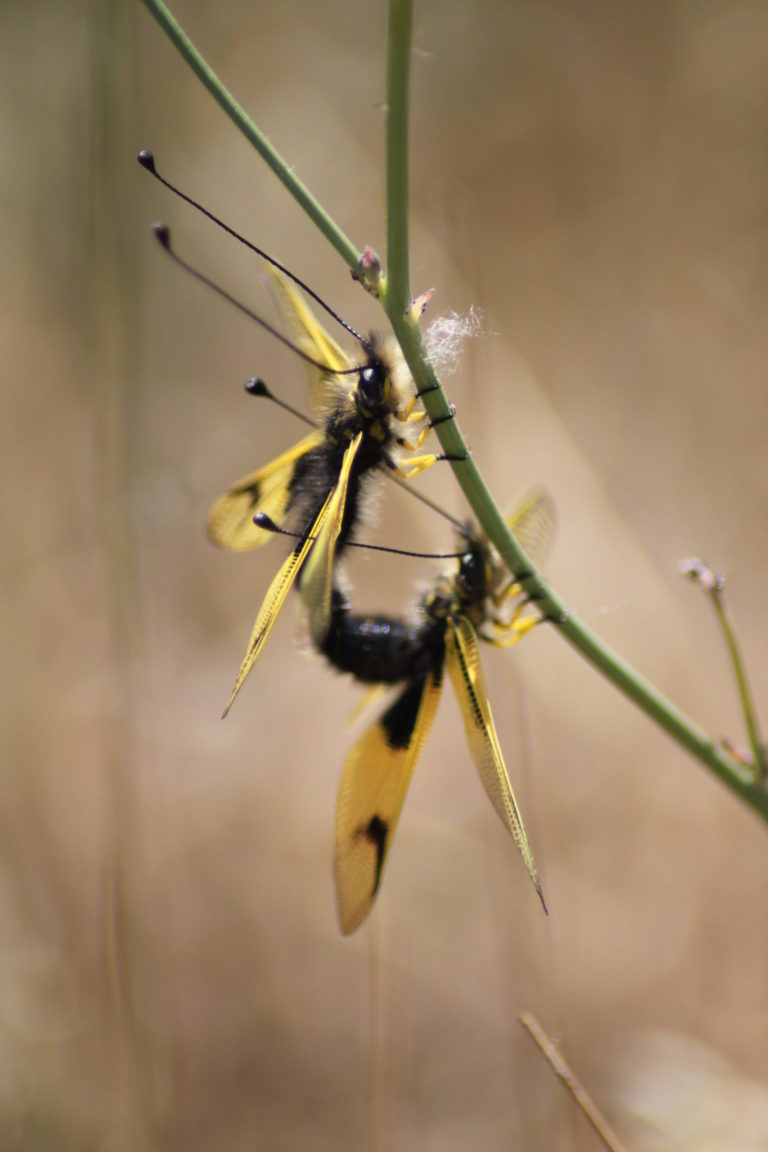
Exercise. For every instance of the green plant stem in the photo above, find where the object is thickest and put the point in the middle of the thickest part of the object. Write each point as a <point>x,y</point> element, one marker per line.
<point>397,296</point>
<point>742,684</point>
<point>680,727</point>
<point>734,775</point>
<point>240,118</point>
<point>396,302</point>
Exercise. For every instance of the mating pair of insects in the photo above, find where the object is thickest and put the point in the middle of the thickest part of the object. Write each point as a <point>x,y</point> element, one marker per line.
<point>366,408</point>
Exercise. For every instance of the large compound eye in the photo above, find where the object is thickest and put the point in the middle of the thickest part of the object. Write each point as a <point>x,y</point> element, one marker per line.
<point>472,574</point>
<point>371,383</point>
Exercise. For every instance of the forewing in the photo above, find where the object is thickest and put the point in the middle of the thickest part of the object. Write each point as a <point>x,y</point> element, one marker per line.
<point>532,524</point>
<point>309,335</point>
<point>317,578</point>
<point>273,602</point>
<point>463,660</point>
<point>230,521</point>
<point>373,785</point>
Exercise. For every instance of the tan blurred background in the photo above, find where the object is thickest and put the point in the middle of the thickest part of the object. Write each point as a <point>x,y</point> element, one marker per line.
<point>594,177</point>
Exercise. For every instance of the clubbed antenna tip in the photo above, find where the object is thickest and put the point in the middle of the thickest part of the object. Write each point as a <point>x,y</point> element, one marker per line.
<point>256,387</point>
<point>147,160</point>
<point>163,234</point>
<point>261,520</point>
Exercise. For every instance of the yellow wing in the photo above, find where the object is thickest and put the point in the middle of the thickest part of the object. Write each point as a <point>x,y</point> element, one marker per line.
<point>532,524</point>
<point>306,331</point>
<point>463,660</point>
<point>230,521</point>
<point>274,600</point>
<point>317,579</point>
<point>373,785</point>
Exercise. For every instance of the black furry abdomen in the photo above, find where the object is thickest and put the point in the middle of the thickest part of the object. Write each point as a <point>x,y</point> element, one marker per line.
<point>316,475</point>
<point>381,649</point>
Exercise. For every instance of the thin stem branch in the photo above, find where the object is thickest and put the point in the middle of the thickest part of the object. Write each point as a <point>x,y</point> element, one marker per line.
<point>571,1082</point>
<point>734,775</point>
<point>742,684</point>
<point>329,228</point>
<point>661,710</point>
<point>714,587</point>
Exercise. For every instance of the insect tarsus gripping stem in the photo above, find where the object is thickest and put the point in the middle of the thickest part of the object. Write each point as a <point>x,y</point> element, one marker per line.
<point>426,391</point>
<point>443,419</point>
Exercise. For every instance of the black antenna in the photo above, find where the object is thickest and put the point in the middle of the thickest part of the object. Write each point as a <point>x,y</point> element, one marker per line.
<point>261,520</point>
<point>147,161</point>
<point>256,387</point>
<point>163,234</point>
<point>403,483</point>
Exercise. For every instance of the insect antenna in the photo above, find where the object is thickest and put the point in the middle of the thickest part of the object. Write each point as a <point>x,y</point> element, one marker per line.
<point>163,234</point>
<point>261,520</point>
<point>256,387</point>
<point>401,483</point>
<point>147,161</point>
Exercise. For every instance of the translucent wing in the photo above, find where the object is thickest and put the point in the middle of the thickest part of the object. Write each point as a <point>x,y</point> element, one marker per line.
<point>317,578</point>
<point>306,331</point>
<point>273,602</point>
<point>230,521</point>
<point>366,701</point>
<point>463,660</point>
<point>373,785</point>
<point>532,523</point>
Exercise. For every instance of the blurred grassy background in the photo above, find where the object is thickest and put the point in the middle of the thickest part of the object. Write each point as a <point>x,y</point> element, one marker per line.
<point>593,177</point>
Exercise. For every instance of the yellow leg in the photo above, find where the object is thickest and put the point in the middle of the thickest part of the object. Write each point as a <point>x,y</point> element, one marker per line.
<point>417,464</point>
<point>420,438</point>
<point>509,634</point>
<point>510,631</point>
<point>508,593</point>
<point>412,445</point>
<point>407,414</point>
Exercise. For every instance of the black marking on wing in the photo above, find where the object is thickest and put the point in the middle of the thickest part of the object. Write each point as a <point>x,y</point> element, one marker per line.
<point>399,720</point>
<point>252,491</point>
<point>377,832</point>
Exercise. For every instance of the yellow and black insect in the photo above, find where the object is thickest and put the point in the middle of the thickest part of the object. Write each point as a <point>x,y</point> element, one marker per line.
<point>476,600</point>
<point>364,406</point>
<point>317,487</point>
